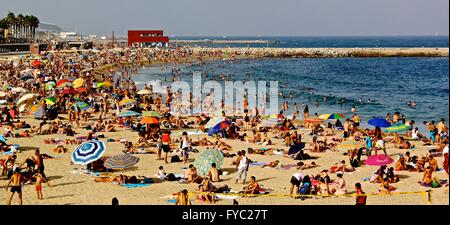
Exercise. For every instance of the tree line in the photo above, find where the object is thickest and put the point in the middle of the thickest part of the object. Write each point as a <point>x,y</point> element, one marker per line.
<point>20,28</point>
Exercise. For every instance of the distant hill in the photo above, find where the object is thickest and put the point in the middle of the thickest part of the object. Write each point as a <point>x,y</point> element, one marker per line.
<point>49,27</point>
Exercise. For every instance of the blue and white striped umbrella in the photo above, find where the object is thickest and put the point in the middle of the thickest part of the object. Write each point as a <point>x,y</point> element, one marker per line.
<point>88,152</point>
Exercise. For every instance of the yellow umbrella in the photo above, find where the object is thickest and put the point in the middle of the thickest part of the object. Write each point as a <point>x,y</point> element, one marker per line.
<point>127,101</point>
<point>34,108</point>
<point>324,116</point>
<point>78,83</point>
<point>107,84</point>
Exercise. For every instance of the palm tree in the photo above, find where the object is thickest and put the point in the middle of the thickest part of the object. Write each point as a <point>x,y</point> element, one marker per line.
<point>27,24</point>
<point>34,24</point>
<point>20,21</point>
<point>3,27</point>
<point>11,19</point>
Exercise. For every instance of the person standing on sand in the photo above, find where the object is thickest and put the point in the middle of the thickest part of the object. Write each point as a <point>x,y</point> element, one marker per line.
<point>16,182</point>
<point>39,179</point>
<point>360,195</point>
<point>166,144</point>
<point>39,160</point>
<point>242,168</point>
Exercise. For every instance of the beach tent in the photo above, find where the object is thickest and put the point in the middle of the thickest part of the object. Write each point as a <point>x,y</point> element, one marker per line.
<point>121,161</point>
<point>379,122</point>
<point>218,127</point>
<point>398,128</point>
<point>378,160</point>
<point>88,152</point>
<point>296,148</point>
<point>204,160</point>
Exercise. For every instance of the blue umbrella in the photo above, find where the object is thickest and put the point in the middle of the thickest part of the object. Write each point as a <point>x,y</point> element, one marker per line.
<point>88,152</point>
<point>379,122</point>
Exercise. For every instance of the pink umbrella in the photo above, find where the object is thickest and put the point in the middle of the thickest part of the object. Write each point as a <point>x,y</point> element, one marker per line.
<point>378,160</point>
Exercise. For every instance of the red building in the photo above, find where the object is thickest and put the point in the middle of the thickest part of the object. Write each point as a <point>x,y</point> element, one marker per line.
<point>146,38</point>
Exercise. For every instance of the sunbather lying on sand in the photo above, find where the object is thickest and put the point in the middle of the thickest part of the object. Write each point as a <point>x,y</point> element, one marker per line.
<point>304,166</point>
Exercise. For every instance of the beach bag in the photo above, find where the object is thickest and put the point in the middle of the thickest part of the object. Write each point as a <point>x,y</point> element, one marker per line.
<point>171,177</point>
<point>305,189</point>
<point>175,158</point>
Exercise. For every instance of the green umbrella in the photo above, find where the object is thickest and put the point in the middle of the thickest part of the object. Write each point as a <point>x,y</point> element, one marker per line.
<point>50,86</point>
<point>206,158</point>
<point>50,100</point>
<point>397,128</point>
<point>83,105</point>
<point>151,114</point>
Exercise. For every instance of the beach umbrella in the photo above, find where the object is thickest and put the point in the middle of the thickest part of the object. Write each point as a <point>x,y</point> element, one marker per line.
<point>34,108</point>
<point>36,63</point>
<point>26,98</point>
<point>128,113</point>
<point>204,160</point>
<point>81,90</point>
<point>151,113</point>
<point>121,161</point>
<point>49,86</point>
<point>2,138</point>
<point>83,105</point>
<point>127,101</point>
<point>19,89</point>
<point>69,91</point>
<point>336,116</point>
<point>23,107</point>
<point>349,145</point>
<point>144,92</point>
<point>379,122</point>
<point>104,84</point>
<point>378,160</point>
<point>27,77</point>
<point>219,126</point>
<point>313,120</point>
<point>62,81</point>
<point>88,152</point>
<point>78,82</point>
<point>149,120</point>
<point>397,128</point>
<point>50,100</point>
<point>213,121</point>
<point>324,116</point>
<point>39,113</point>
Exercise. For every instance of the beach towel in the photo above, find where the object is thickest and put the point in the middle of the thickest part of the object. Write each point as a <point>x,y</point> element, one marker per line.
<point>172,201</point>
<point>365,178</point>
<point>7,153</point>
<point>259,163</point>
<point>288,167</point>
<point>135,185</point>
<point>226,197</point>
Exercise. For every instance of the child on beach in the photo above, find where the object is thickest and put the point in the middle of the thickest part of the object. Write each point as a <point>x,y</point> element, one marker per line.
<point>39,180</point>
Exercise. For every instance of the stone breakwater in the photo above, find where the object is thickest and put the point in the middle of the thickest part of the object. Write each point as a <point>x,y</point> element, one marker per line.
<point>330,52</point>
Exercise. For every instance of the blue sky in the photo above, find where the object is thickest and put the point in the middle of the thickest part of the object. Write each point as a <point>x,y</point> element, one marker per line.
<point>242,17</point>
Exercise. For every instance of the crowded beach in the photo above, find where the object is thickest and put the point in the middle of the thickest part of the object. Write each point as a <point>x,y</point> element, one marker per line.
<point>75,129</point>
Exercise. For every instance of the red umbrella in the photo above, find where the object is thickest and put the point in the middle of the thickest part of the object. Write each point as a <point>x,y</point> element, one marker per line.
<point>61,82</point>
<point>378,160</point>
<point>69,91</point>
<point>36,63</point>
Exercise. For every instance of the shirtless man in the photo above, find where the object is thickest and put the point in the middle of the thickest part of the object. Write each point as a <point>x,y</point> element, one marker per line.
<point>252,187</point>
<point>16,185</point>
<point>213,173</point>
<point>6,161</point>
<point>39,180</point>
